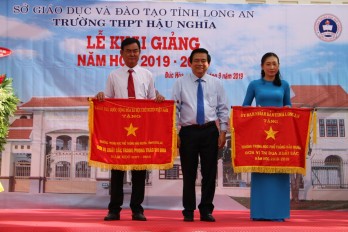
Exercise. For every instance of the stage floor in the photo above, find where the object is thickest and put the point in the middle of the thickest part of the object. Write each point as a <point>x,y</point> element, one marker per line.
<point>23,212</point>
<point>91,220</point>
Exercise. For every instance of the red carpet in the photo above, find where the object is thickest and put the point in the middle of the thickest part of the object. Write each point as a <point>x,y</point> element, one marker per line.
<point>91,220</point>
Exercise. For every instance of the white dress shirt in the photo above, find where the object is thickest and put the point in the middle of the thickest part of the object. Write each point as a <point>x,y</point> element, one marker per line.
<point>215,100</point>
<point>116,85</point>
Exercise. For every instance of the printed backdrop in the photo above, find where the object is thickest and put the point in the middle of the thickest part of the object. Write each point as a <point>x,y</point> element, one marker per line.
<point>67,48</point>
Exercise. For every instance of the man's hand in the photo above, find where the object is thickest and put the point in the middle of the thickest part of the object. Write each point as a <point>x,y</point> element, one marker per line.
<point>100,96</point>
<point>222,139</point>
<point>159,97</point>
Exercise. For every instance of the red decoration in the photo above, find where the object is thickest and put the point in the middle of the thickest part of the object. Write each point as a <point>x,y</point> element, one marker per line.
<point>270,139</point>
<point>130,134</point>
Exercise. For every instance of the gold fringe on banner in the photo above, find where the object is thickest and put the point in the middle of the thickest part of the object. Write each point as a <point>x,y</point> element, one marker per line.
<point>307,141</point>
<point>90,126</point>
<point>232,139</point>
<point>130,167</point>
<point>314,123</point>
<point>174,137</point>
<point>1,188</point>
<point>288,170</point>
<point>269,169</point>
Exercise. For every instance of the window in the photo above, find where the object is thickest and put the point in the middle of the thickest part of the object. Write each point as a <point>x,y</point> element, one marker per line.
<point>331,128</point>
<point>63,142</point>
<point>82,143</point>
<point>321,128</point>
<point>171,174</point>
<point>82,170</point>
<point>63,169</point>
<point>329,173</point>
<point>22,169</point>
<point>341,128</point>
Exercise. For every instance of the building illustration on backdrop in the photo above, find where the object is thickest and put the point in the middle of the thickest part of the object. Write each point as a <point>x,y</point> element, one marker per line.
<point>47,151</point>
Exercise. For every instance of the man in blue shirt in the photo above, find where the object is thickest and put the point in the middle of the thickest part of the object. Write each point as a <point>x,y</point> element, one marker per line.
<point>202,113</point>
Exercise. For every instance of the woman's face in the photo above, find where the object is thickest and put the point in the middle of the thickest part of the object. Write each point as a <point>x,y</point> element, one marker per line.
<point>270,66</point>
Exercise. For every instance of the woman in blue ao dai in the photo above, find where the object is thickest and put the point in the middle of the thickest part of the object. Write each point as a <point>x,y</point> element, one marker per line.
<point>270,192</point>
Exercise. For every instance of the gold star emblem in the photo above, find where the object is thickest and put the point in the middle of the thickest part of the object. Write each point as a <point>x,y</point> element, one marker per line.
<point>271,133</point>
<point>131,130</point>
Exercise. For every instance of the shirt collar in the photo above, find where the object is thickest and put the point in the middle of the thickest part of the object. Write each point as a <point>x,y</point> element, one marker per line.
<point>135,68</point>
<point>194,78</point>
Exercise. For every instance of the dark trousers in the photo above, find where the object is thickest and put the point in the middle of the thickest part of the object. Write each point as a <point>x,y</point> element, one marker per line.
<point>138,191</point>
<point>199,143</point>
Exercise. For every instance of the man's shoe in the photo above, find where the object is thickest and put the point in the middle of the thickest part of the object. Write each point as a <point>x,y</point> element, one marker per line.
<point>207,218</point>
<point>188,218</point>
<point>138,217</point>
<point>112,217</point>
<point>188,215</point>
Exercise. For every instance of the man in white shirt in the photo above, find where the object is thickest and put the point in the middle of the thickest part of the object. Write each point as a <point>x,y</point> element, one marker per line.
<point>118,86</point>
<point>200,103</point>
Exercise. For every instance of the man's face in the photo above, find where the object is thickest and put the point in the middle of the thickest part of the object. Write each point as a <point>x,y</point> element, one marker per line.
<point>199,64</point>
<point>130,54</point>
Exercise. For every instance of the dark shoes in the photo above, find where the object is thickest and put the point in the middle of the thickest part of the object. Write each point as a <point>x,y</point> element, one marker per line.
<point>141,217</point>
<point>116,216</point>
<point>188,218</point>
<point>207,218</point>
<point>138,217</point>
<point>204,217</point>
<point>112,217</point>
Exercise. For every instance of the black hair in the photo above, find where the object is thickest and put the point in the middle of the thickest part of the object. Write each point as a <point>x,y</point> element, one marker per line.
<point>200,50</point>
<point>277,80</point>
<point>128,41</point>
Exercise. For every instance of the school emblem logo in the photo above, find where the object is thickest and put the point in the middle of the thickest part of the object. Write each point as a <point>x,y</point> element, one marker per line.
<point>328,27</point>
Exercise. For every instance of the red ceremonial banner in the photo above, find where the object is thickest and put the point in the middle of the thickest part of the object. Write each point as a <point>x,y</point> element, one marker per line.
<point>270,139</point>
<point>128,134</point>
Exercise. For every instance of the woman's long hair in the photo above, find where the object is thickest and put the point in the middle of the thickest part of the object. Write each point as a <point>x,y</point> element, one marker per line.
<point>277,80</point>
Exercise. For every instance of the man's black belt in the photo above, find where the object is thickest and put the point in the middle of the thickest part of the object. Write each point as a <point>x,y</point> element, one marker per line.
<point>205,125</point>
